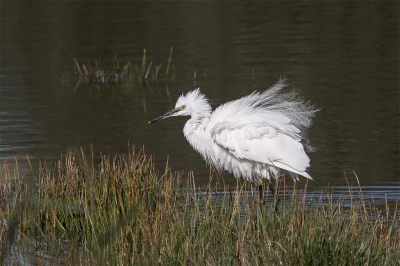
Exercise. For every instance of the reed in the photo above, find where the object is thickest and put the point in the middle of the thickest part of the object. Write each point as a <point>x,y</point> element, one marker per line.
<point>85,74</point>
<point>169,62</point>
<point>123,211</point>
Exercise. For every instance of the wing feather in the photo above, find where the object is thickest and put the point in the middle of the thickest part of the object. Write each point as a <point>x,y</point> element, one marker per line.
<point>229,142</point>
<point>264,128</point>
<point>261,140</point>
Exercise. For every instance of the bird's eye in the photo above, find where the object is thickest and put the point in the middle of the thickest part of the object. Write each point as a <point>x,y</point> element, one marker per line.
<point>182,107</point>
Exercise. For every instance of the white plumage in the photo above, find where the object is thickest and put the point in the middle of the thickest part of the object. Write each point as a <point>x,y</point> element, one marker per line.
<point>257,136</point>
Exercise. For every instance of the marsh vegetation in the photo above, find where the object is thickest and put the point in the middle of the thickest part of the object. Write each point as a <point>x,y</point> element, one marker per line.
<point>122,211</point>
<point>120,80</point>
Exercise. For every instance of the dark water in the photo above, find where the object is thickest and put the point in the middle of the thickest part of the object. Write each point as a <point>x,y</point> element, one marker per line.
<point>343,57</point>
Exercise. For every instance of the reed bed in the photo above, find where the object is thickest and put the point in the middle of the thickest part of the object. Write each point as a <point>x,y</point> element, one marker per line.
<point>124,212</point>
<point>86,74</point>
<point>119,81</point>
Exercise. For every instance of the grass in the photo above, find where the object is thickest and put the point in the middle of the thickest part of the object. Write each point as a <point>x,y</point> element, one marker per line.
<point>87,74</point>
<point>117,82</point>
<point>123,212</point>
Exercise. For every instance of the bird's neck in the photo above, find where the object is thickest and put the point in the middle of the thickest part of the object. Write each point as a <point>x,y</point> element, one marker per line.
<point>195,133</point>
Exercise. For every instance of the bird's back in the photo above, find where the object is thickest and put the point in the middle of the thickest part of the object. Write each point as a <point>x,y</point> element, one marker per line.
<point>260,134</point>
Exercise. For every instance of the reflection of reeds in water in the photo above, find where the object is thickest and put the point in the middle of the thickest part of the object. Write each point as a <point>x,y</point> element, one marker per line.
<point>123,212</point>
<point>195,76</point>
<point>116,79</point>
<point>143,96</point>
<point>121,82</point>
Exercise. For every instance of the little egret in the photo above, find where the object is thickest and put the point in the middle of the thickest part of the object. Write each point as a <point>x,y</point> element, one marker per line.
<point>261,135</point>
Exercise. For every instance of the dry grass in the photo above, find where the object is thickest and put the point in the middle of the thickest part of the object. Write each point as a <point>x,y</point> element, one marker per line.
<point>119,81</point>
<point>97,74</point>
<point>123,212</point>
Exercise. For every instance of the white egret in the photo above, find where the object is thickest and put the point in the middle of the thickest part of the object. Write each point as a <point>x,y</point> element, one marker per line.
<point>261,135</point>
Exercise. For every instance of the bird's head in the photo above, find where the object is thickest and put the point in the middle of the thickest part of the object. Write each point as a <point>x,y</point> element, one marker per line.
<point>193,103</point>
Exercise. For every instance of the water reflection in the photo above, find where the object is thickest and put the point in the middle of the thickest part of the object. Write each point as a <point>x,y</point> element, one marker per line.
<point>120,83</point>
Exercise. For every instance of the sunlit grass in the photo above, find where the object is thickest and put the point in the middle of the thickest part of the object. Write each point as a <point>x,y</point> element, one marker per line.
<point>123,212</point>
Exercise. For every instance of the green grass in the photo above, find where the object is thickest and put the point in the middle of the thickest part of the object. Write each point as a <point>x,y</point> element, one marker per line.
<point>123,212</point>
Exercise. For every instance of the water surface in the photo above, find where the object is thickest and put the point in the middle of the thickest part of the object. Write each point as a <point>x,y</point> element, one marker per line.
<point>343,57</point>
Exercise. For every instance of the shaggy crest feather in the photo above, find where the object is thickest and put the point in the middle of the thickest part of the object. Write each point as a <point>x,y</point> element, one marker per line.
<point>196,104</point>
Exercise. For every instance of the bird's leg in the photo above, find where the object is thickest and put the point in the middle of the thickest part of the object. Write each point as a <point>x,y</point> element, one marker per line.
<point>260,191</point>
<point>271,187</point>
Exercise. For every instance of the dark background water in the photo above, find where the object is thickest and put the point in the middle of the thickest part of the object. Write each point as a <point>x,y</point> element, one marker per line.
<point>342,56</point>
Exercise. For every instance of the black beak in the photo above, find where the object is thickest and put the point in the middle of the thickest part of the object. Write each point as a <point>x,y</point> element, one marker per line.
<point>166,115</point>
